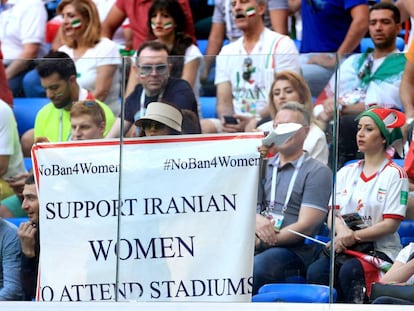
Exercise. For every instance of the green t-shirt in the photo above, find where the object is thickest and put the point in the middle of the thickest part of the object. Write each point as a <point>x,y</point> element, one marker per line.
<point>54,123</point>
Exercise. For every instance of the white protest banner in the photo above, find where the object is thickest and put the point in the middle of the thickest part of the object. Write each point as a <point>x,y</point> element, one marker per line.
<point>181,229</point>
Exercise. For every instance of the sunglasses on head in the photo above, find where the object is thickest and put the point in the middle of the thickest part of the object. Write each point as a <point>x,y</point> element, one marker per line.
<point>146,70</point>
<point>89,103</point>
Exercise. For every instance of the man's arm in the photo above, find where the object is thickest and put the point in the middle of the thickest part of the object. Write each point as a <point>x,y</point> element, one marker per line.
<point>115,131</point>
<point>112,21</point>
<point>407,89</point>
<point>224,99</point>
<point>357,29</point>
<point>21,62</point>
<point>4,164</point>
<point>11,257</point>
<point>215,41</point>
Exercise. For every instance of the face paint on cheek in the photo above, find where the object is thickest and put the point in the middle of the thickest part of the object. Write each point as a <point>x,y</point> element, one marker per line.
<point>59,94</point>
<point>168,25</point>
<point>153,25</point>
<point>250,11</point>
<point>76,24</point>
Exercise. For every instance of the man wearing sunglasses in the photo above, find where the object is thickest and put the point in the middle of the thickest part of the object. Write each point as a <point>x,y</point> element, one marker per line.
<point>155,85</point>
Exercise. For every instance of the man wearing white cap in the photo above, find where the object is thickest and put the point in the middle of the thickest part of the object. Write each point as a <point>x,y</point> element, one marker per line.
<point>296,190</point>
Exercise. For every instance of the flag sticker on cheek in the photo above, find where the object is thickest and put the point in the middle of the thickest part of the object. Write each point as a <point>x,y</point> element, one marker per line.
<point>168,25</point>
<point>404,197</point>
<point>76,23</point>
<point>250,11</point>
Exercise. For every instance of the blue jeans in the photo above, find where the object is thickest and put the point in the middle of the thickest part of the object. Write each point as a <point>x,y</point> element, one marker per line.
<point>349,279</point>
<point>276,265</point>
<point>392,301</point>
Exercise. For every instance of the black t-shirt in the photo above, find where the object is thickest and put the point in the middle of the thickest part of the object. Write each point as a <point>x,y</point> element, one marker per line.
<point>177,92</point>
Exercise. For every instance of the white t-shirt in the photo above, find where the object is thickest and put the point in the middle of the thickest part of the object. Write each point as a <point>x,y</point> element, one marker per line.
<point>23,22</point>
<point>10,142</point>
<point>272,53</point>
<point>104,53</point>
<point>403,257</point>
<point>192,53</point>
<point>315,143</point>
<point>104,6</point>
<point>376,197</point>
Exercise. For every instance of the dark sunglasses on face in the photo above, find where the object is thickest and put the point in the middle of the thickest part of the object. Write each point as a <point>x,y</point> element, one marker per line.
<point>146,70</point>
<point>148,125</point>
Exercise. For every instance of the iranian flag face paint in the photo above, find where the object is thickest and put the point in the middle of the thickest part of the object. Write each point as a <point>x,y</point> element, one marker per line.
<point>76,24</point>
<point>168,25</point>
<point>250,11</point>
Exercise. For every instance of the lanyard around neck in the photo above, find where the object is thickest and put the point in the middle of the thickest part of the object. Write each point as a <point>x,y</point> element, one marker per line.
<point>291,183</point>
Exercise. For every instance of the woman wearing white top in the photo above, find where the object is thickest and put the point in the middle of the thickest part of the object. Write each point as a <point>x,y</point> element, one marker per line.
<point>290,86</point>
<point>97,59</point>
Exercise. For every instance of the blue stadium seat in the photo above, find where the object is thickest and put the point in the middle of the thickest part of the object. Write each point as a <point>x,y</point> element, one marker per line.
<point>208,107</point>
<point>202,45</point>
<point>25,110</point>
<point>368,43</point>
<point>17,221</point>
<point>286,292</point>
<point>406,232</point>
<point>28,163</point>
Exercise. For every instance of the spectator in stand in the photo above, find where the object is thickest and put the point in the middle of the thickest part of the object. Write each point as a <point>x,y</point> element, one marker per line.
<point>28,233</point>
<point>137,13</point>
<point>401,273</point>
<point>289,86</point>
<point>245,68</point>
<point>374,190</point>
<point>329,27</point>
<point>407,85</point>
<point>23,26</point>
<point>368,79</point>
<point>122,36</point>
<point>87,120</point>
<point>160,119</point>
<point>5,93</point>
<point>166,22</point>
<point>298,202</point>
<point>11,157</point>
<point>224,26</point>
<point>58,76</point>
<point>156,85</point>
<point>10,259</point>
<point>407,14</point>
<point>97,59</point>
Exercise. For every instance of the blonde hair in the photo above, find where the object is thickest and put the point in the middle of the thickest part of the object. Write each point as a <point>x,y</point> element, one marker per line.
<point>90,108</point>
<point>298,84</point>
<point>92,33</point>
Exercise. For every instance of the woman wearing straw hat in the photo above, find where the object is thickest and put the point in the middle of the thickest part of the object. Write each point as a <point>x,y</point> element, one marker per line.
<point>160,119</point>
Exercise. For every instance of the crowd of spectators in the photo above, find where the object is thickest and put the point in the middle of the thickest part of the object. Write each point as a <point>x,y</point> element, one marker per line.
<point>264,82</point>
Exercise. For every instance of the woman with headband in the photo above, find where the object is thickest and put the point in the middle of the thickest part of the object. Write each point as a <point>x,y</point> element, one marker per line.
<point>370,202</point>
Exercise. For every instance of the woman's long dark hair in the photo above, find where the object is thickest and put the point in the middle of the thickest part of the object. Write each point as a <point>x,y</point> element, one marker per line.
<point>181,40</point>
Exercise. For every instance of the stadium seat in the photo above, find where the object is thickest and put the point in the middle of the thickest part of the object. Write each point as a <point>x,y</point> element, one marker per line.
<point>367,43</point>
<point>17,221</point>
<point>406,232</point>
<point>202,45</point>
<point>208,107</point>
<point>287,292</point>
<point>25,110</point>
<point>28,163</point>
